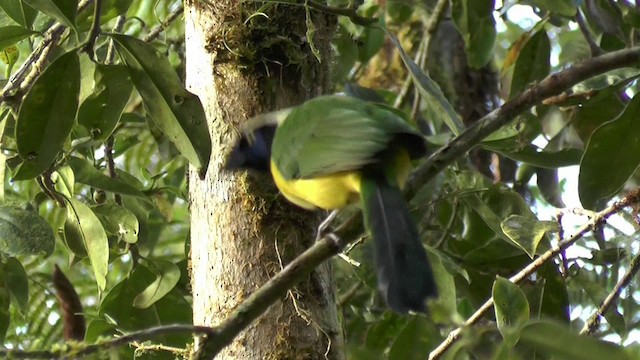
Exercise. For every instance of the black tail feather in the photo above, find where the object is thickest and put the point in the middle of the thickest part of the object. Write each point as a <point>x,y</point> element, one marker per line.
<point>405,278</point>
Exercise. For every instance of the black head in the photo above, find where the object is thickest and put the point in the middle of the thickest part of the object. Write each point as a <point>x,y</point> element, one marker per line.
<point>253,151</point>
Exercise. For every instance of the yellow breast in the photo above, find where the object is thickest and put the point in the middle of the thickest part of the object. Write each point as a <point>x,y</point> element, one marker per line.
<point>326,192</point>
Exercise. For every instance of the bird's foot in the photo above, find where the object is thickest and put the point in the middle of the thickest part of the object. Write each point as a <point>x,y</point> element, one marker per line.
<point>324,225</point>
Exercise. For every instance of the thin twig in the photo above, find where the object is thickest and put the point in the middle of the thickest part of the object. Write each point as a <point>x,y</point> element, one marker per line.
<point>343,299</point>
<point>156,31</point>
<point>564,269</point>
<point>594,320</point>
<point>111,49</point>
<point>598,219</point>
<point>80,351</point>
<point>588,36</point>
<point>348,12</point>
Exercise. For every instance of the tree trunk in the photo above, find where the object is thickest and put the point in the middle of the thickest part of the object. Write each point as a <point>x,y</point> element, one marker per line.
<point>242,233</point>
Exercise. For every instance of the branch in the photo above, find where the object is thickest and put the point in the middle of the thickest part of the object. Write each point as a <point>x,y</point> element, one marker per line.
<point>95,29</point>
<point>348,12</point>
<point>80,351</point>
<point>594,321</point>
<point>597,220</point>
<point>553,84</point>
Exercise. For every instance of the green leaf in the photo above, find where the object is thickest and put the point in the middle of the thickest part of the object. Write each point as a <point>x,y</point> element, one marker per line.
<point>87,174</point>
<point>17,283</point>
<point>118,306</point>
<point>437,103</point>
<point>370,42</point>
<point>532,64</point>
<point>527,232</point>
<point>413,341</point>
<point>445,304</point>
<point>587,117</point>
<point>19,12</point>
<point>566,8</point>
<point>10,35</point>
<point>474,19</point>
<point>561,342</point>
<point>101,111</point>
<point>512,309</point>
<point>110,10</point>
<point>533,155</point>
<point>167,276</point>
<point>94,239</point>
<point>118,221</point>
<point>5,315</point>
<point>550,187</point>
<point>64,180</point>
<point>611,157</point>
<point>62,10</point>
<point>177,112</point>
<point>47,115</point>
<point>24,232</point>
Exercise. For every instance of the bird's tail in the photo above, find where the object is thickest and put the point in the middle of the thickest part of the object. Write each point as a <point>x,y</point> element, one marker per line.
<point>405,278</point>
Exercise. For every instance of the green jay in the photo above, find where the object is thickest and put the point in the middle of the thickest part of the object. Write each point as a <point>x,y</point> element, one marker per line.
<point>332,151</point>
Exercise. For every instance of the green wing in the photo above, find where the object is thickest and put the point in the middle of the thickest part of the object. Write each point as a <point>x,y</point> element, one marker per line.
<point>330,134</point>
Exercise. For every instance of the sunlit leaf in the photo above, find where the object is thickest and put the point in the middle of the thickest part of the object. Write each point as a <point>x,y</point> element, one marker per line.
<point>86,173</point>
<point>90,230</point>
<point>119,221</point>
<point>177,112</point>
<point>101,111</point>
<point>167,276</point>
<point>527,232</point>
<point>64,180</point>
<point>24,232</point>
<point>512,309</point>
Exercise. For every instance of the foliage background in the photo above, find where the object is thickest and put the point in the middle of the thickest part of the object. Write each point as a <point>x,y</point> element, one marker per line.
<point>481,217</point>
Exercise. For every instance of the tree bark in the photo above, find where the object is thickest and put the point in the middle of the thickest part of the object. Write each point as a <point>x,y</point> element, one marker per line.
<point>241,63</point>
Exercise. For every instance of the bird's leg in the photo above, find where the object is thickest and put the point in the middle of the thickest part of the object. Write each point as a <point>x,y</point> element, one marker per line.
<point>325,224</point>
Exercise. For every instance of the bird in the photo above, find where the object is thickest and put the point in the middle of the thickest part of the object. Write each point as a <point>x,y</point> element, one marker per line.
<point>333,151</point>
